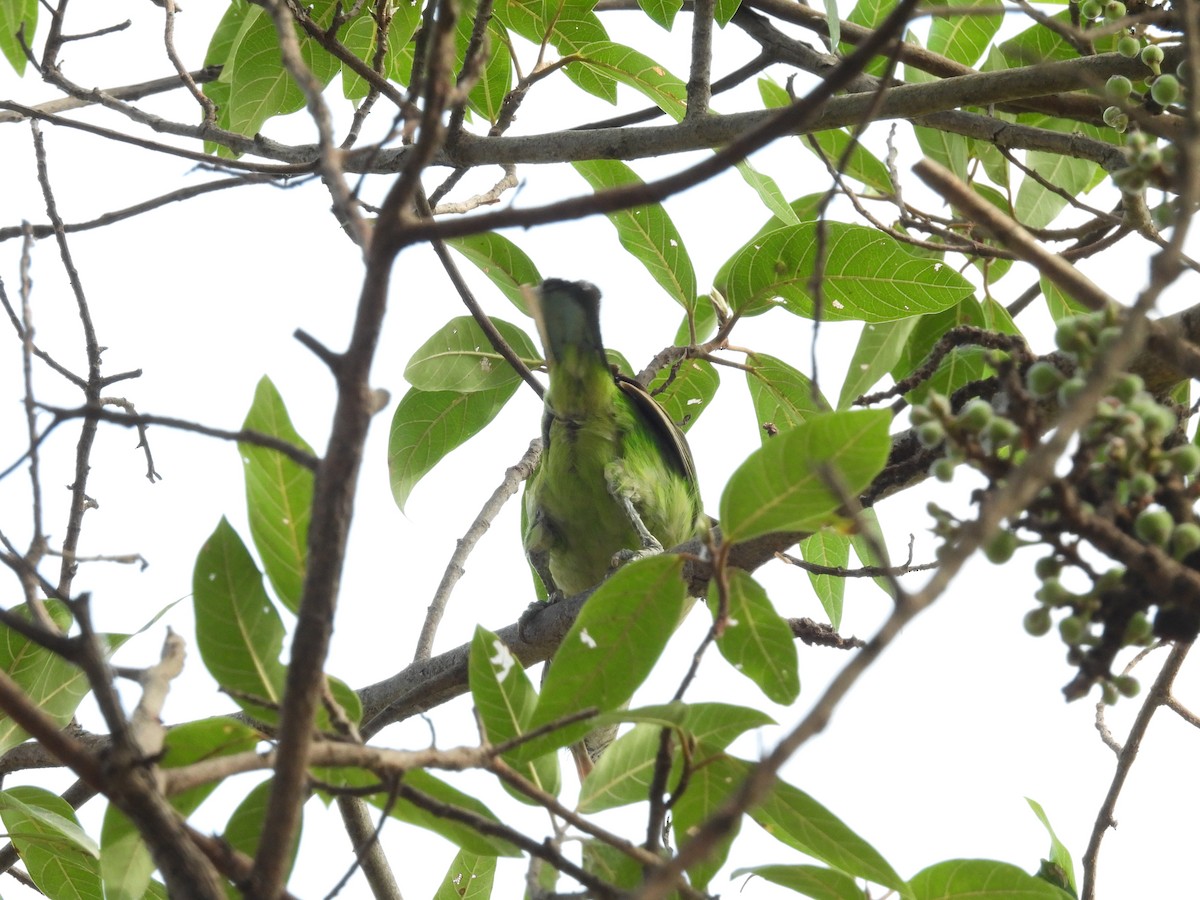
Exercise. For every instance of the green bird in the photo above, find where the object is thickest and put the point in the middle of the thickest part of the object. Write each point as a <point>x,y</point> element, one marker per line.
<point>616,480</point>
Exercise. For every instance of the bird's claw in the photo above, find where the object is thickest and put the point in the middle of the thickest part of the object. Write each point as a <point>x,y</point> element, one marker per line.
<point>623,557</point>
<point>533,610</point>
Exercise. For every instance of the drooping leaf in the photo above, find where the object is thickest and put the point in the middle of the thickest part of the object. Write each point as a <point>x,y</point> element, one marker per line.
<point>278,495</point>
<point>798,820</point>
<point>505,700</point>
<point>58,854</point>
<point>17,16</point>
<point>647,232</point>
<point>827,547</point>
<point>244,830</point>
<point>964,38</point>
<point>495,77</point>
<point>694,383</point>
<point>808,881</point>
<point>710,786</point>
<point>611,647</point>
<point>469,877</point>
<point>443,794</point>
<point>867,275</point>
<point>756,640</point>
<point>502,261</point>
<point>951,150</point>
<point>980,879</point>
<point>782,485</point>
<point>635,69</point>
<point>768,191</point>
<point>460,358</point>
<point>783,397</point>
<point>661,11</point>
<point>1060,856</point>
<point>569,26</point>
<point>427,425</point>
<point>880,346</point>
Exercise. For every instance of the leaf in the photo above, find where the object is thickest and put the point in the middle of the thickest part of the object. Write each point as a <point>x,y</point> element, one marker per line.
<point>1059,303</point>
<point>1059,854</point>
<point>54,684</point>
<point>756,640</point>
<point>868,543</point>
<point>810,881</point>
<point>827,547</point>
<point>17,16</point>
<point>495,78</point>
<point>768,191</point>
<point>278,495</point>
<point>861,164</point>
<point>569,27</point>
<point>451,829</point>
<point>244,830</point>
<point>608,862</point>
<point>869,13</point>
<point>725,10</point>
<point>125,862</point>
<point>611,647</point>
<point>500,260</point>
<point>980,879</point>
<point>964,38</point>
<point>58,855</point>
<point>798,820</point>
<point>783,397</point>
<point>711,784</point>
<point>867,275</point>
<point>238,631</point>
<point>962,365</point>
<point>951,150</point>
<point>693,387</point>
<point>1037,206</point>
<point>459,357</point>
<point>427,425</point>
<point>661,11</point>
<point>469,878</point>
<point>780,486</point>
<point>505,700</point>
<point>647,232</point>
<point>880,346</point>
<point>638,71</point>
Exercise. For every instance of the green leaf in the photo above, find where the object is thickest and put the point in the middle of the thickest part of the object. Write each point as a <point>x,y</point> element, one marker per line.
<point>244,830</point>
<point>756,640</point>
<point>505,700</point>
<point>1038,44</point>
<point>810,881</point>
<point>709,787</point>
<point>459,357</point>
<point>725,10</point>
<point>495,79</point>
<point>278,495</point>
<point>980,879</point>
<point>125,862</point>
<point>469,878</point>
<point>638,71</point>
<point>768,191</point>
<point>58,855</point>
<point>867,275</point>
<point>868,543</point>
<point>16,15</point>
<point>1059,854</point>
<point>427,425</point>
<point>647,232</point>
<point>694,385</point>
<point>780,487</point>
<point>827,547</point>
<point>880,346</point>
<point>500,260</point>
<point>611,647</point>
<point>861,165</point>
<point>798,820</point>
<point>783,397</point>
<point>1059,303</point>
<point>569,27</point>
<point>238,631</point>
<point>54,684</point>
<point>1037,206</point>
<point>964,38</point>
<point>869,13</point>
<point>608,862</point>
<point>451,829</point>
<point>951,150</point>
<point>960,366</point>
<point>661,11</point>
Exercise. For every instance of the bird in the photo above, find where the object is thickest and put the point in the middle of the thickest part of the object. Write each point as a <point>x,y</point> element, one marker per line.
<point>616,480</point>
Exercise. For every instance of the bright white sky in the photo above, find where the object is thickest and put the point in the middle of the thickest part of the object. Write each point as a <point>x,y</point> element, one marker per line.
<point>929,758</point>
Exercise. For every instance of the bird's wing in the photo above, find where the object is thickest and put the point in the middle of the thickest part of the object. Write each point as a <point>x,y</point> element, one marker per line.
<point>666,432</point>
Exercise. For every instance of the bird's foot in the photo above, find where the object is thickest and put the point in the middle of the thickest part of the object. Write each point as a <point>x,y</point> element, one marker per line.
<point>533,610</point>
<point>623,557</point>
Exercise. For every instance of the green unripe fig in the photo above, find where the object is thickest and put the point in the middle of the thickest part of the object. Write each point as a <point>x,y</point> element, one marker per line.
<point>975,414</point>
<point>1142,484</point>
<point>1091,9</point>
<point>1073,335</point>
<point>1185,459</point>
<point>1001,547</point>
<point>1129,180</point>
<point>919,415</point>
<point>1154,526</point>
<point>1113,115</point>
<point>1069,390</point>
<point>1152,57</point>
<point>1165,89</point>
<point>1149,159</point>
<point>1109,693</point>
<point>1139,629</point>
<point>938,404</point>
<point>1000,432</point>
<point>931,434</point>
<point>1129,46</point>
<point>1072,629</point>
<point>1185,539</point>
<point>1159,422</point>
<point>1127,387</point>
<point>1118,87</point>
<point>1127,685</point>
<point>1043,379</point>
<point>1113,10</point>
<point>942,469</point>
<point>1053,593</point>
<point>1037,621</point>
<point>1047,567</point>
